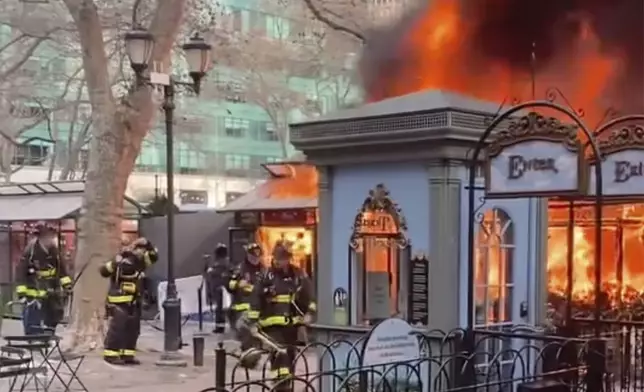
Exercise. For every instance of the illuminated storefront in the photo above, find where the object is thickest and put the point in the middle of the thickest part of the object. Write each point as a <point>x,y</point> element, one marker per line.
<point>281,210</point>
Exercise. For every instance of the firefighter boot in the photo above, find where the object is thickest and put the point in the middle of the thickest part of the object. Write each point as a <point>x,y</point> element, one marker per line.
<point>132,361</point>
<point>249,358</point>
<point>114,360</point>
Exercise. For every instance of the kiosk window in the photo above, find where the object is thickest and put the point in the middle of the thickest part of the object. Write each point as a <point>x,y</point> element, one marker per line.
<point>493,269</point>
<point>379,261</point>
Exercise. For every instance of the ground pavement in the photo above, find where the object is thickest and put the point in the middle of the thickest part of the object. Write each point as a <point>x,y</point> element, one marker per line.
<point>101,377</point>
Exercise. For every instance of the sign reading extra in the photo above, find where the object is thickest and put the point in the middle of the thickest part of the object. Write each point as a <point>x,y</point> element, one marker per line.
<point>535,156</point>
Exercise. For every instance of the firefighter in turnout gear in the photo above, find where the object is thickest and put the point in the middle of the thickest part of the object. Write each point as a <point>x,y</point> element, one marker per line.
<point>215,276</point>
<point>281,301</point>
<point>43,282</point>
<point>240,283</point>
<point>126,273</point>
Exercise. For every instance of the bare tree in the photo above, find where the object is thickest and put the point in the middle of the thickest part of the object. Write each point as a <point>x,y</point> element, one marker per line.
<point>356,18</point>
<point>121,116</point>
<point>294,69</point>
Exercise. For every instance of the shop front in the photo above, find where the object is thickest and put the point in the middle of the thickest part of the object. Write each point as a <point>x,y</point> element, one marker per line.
<point>281,210</point>
<point>393,220</point>
<point>57,204</point>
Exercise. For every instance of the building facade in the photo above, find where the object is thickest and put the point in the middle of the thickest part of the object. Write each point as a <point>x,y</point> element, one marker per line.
<point>222,137</point>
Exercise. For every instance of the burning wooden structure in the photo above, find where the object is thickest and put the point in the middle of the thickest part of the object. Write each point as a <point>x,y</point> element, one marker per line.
<point>282,209</point>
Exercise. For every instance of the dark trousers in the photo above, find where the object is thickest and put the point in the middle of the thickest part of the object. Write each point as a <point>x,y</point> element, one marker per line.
<point>123,330</point>
<point>282,365</point>
<point>42,315</point>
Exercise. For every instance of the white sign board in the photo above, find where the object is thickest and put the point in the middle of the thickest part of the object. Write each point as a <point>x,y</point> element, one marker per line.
<point>390,342</point>
<point>622,174</point>
<point>534,167</point>
<point>187,292</point>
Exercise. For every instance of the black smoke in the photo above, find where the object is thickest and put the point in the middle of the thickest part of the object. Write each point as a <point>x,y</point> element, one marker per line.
<point>504,32</point>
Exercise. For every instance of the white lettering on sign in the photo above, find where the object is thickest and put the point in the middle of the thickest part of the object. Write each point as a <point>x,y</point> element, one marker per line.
<point>390,342</point>
<point>622,174</point>
<point>534,167</point>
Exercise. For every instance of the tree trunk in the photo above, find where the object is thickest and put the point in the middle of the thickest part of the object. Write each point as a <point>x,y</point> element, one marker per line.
<point>117,134</point>
<point>99,228</point>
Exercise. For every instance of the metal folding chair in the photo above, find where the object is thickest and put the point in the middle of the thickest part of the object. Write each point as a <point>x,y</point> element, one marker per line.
<point>14,365</point>
<point>43,348</point>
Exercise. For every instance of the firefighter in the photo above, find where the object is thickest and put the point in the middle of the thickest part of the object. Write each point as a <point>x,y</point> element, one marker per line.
<point>280,302</point>
<point>43,282</point>
<point>216,272</point>
<point>240,283</point>
<point>126,273</point>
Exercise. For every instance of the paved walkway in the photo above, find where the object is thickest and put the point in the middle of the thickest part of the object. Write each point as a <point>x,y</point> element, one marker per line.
<point>99,376</point>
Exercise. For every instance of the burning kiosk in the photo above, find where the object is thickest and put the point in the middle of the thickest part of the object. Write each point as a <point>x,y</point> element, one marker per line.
<point>417,146</point>
<point>284,208</point>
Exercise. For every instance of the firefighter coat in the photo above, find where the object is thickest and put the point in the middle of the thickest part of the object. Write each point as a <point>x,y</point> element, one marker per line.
<point>40,271</point>
<point>282,297</point>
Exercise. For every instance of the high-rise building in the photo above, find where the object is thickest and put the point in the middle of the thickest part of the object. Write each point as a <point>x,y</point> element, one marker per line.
<point>223,136</point>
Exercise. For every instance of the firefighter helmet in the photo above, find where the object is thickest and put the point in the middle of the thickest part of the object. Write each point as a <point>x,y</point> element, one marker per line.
<point>254,249</point>
<point>282,252</point>
<point>221,251</point>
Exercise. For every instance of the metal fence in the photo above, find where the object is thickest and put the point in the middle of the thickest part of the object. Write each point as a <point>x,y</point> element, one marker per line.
<point>497,360</point>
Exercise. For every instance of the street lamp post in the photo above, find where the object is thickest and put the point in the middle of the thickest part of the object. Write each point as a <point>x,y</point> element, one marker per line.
<point>139,45</point>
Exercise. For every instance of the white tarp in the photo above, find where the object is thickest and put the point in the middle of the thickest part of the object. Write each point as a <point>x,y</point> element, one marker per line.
<point>187,291</point>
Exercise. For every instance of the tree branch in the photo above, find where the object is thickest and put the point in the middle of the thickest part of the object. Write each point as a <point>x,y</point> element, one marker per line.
<point>317,13</point>
<point>25,56</point>
<point>95,61</point>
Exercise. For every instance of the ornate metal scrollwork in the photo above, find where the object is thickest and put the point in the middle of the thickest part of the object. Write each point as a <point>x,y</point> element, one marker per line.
<point>554,93</point>
<point>535,126</point>
<point>627,136</point>
<point>479,214</point>
<point>379,201</point>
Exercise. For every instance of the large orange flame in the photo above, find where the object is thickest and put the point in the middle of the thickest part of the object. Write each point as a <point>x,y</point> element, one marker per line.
<point>440,56</point>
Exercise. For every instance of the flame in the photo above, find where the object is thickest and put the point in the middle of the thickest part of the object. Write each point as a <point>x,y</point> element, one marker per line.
<point>292,180</point>
<point>622,247</point>
<point>440,57</point>
<point>299,238</point>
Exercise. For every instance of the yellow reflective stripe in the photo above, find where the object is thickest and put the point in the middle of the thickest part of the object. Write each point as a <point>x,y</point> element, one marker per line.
<point>313,307</point>
<point>281,372</point>
<point>282,298</point>
<point>248,288</point>
<point>109,266</point>
<point>273,320</point>
<point>111,353</point>
<point>128,352</point>
<point>65,280</point>
<point>46,273</point>
<point>245,306</point>
<point>147,259</point>
<point>128,287</point>
<point>119,299</point>
<point>252,314</point>
<point>232,284</point>
<point>21,289</point>
<point>35,293</point>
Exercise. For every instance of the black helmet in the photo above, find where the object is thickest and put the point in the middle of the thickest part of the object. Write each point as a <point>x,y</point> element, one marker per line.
<point>254,249</point>
<point>282,251</point>
<point>221,250</point>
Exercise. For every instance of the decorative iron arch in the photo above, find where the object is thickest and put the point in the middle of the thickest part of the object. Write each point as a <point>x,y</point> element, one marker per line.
<point>379,201</point>
<point>520,123</point>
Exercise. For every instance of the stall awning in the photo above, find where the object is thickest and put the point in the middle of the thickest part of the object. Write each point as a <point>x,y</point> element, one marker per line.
<point>290,186</point>
<point>256,200</point>
<point>38,207</point>
<point>49,201</point>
